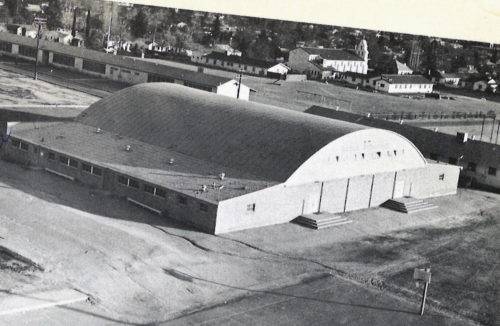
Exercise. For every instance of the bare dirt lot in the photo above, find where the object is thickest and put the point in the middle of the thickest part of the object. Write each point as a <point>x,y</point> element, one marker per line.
<point>19,89</point>
<point>141,268</point>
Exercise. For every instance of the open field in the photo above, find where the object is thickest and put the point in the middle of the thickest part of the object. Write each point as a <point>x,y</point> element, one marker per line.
<point>19,89</point>
<point>140,268</point>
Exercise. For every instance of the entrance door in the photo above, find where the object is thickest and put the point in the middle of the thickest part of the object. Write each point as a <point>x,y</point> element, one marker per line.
<point>399,187</point>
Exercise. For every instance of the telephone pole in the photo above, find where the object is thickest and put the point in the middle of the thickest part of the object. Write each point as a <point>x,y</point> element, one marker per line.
<point>239,85</point>
<point>39,22</point>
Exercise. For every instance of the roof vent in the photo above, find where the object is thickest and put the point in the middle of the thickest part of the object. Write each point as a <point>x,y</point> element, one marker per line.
<point>204,188</point>
<point>222,175</point>
<point>436,129</point>
<point>128,148</point>
<point>98,130</point>
<point>171,161</point>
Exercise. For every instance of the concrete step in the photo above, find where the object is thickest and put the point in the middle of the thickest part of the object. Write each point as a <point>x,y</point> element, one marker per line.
<point>321,221</point>
<point>408,205</point>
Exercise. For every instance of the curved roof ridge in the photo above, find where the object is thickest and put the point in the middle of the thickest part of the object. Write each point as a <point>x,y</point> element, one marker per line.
<point>266,141</point>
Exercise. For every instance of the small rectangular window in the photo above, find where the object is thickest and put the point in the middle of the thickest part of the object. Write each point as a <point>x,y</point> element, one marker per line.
<point>441,176</point>
<point>63,159</point>
<point>122,180</point>
<point>492,171</point>
<point>471,166</point>
<point>160,193</point>
<point>87,168</point>
<point>379,154</point>
<point>251,207</point>
<point>96,171</point>
<point>149,189</point>
<point>24,146</point>
<point>51,156</point>
<point>73,163</point>
<point>133,183</point>
<point>181,199</point>
<point>15,143</point>
<point>203,207</point>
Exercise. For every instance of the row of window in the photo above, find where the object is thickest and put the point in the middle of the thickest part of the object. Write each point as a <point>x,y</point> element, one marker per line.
<point>27,51</point>
<point>411,86</point>
<point>19,144</point>
<point>159,79</point>
<point>5,46</point>
<point>94,66</point>
<point>374,155</point>
<point>471,166</point>
<point>156,191</point>
<point>63,59</point>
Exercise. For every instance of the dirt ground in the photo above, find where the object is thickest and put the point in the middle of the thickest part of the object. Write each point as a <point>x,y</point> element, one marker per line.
<point>139,268</point>
<point>19,89</point>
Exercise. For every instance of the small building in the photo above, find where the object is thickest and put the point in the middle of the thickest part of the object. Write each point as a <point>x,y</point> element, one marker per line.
<point>279,71</point>
<point>446,79</point>
<point>403,84</point>
<point>402,68</point>
<point>485,85</point>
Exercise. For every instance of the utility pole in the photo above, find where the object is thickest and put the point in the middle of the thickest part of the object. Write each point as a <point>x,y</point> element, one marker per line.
<point>239,85</point>
<point>38,21</point>
<point>482,128</point>
<point>492,128</point>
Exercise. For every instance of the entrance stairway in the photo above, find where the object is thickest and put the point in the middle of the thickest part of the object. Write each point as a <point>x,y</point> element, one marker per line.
<point>321,220</point>
<point>408,205</point>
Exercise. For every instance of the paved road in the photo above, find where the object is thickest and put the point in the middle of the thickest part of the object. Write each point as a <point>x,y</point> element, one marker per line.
<point>323,301</point>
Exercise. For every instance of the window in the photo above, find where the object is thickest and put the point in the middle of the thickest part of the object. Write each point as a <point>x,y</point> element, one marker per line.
<point>492,171</point>
<point>363,155</point>
<point>379,154</point>
<point>62,59</point>
<point>471,167</point>
<point>395,152</point>
<point>251,207</point>
<point>133,183</point>
<point>441,176</point>
<point>203,207</point>
<point>122,180</point>
<point>64,160</point>
<point>15,143</point>
<point>24,146</point>
<point>86,168</point>
<point>160,193</point>
<point>97,171</point>
<point>27,51</point>
<point>5,46</point>
<point>149,189</point>
<point>73,163</point>
<point>52,156</point>
<point>182,200</point>
<point>94,66</point>
<point>382,85</point>
<point>453,160</point>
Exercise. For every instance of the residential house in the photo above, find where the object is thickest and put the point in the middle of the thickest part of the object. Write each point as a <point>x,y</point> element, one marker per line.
<point>485,85</point>
<point>235,63</point>
<point>402,68</point>
<point>279,70</point>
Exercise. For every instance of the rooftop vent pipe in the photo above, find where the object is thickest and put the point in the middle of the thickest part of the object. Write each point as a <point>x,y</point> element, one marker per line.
<point>127,148</point>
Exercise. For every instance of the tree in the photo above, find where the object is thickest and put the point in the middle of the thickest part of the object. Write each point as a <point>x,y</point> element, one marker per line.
<point>94,40</point>
<point>139,24</point>
<point>54,14</point>
<point>215,30</point>
<point>87,24</point>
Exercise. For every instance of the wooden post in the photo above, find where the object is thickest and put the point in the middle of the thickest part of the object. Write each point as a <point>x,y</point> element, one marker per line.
<point>424,296</point>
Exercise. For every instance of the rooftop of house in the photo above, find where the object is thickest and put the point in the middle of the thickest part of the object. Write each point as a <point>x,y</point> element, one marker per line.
<point>406,79</point>
<point>243,60</point>
<point>333,54</point>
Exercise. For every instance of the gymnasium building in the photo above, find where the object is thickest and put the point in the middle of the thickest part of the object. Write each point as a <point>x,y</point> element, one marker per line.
<point>223,165</point>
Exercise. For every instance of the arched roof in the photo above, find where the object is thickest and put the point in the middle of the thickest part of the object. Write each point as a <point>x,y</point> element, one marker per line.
<point>268,142</point>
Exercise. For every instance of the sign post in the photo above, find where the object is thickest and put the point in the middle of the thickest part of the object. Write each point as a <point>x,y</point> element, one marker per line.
<point>424,275</point>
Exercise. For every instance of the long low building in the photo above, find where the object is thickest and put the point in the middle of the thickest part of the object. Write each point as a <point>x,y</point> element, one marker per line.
<point>223,165</point>
<point>115,67</point>
<point>480,161</point>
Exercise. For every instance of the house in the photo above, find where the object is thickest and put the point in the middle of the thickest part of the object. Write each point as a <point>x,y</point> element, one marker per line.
<point>16,29</point>
<point>446,79</point>
<point>226,49</point>
<point>403,84</point>
<point>279,70</point>
<point>360,79</point>
<point>336,60</point>
<point>485,85</point>
<point>402,68</point>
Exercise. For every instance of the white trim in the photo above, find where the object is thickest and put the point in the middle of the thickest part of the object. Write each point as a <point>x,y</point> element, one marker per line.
<point>144,206</point>
<point>60,174</point>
